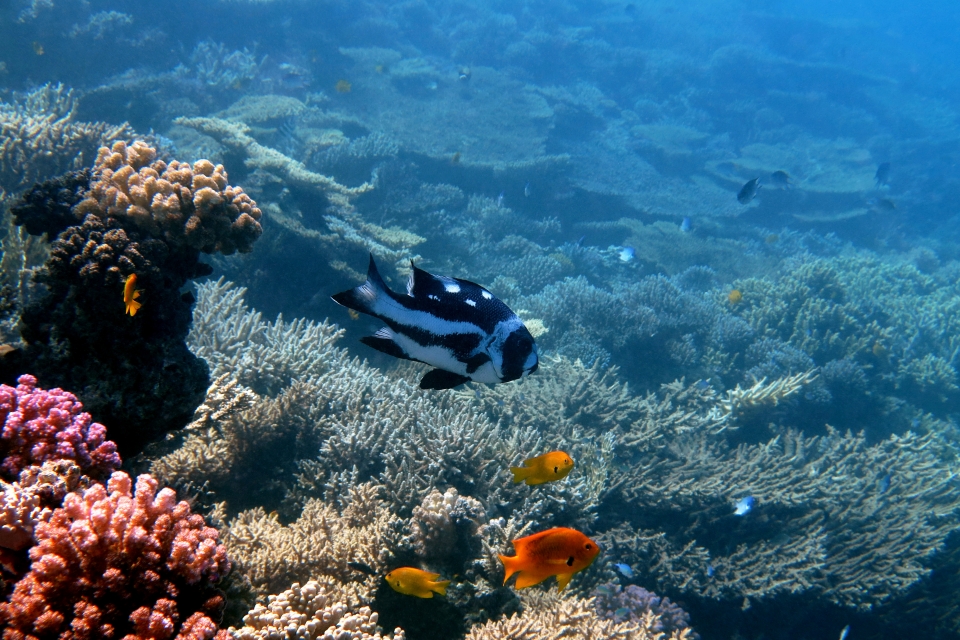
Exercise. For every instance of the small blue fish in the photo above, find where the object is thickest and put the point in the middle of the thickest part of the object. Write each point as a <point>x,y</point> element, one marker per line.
<point>749,191</point>
<point>627,254</point>
<point>606,590</point>
<point>500,199</point>
<point>527,190</point>
<point>885,483</point>
<point>580,241</point>
<point>686,225</point>
<point>624,569</point>
<point>744,505</point>
<point>845,632</point>
<point>622,612</point>
<point>710,571</point>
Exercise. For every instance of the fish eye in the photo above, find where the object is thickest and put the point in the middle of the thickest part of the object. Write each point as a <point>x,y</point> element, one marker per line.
<point>588,546</point>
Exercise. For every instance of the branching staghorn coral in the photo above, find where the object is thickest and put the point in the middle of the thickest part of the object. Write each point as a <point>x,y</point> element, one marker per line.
<point>319,543</point>
<point>311,611</point>
<point>263,356</point>
<point>548,616</point>
<point>237,136</point>
<point>833,526</point>
<point>40,138</point>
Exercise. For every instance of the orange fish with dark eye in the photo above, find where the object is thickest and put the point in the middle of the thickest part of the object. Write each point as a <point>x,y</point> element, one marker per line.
<point>557,552</point>
<point>546,468</point>
<point>130,294</point>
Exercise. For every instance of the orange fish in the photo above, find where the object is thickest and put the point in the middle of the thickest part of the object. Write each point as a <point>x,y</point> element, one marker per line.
<point>546,468</point>
<point>557,552</point>
<point>130,294</point>
<point>416,582</point>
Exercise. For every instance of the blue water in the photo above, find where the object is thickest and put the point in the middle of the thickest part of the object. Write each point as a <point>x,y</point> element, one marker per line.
<point>583,161</point>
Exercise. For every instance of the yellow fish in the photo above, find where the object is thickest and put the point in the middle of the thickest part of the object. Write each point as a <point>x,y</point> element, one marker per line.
<point>546,468</point>
<point>415,582</point>
<point>130,294</point>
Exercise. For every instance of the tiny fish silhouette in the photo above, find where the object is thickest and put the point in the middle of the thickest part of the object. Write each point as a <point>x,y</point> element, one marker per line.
<point>749,191</point>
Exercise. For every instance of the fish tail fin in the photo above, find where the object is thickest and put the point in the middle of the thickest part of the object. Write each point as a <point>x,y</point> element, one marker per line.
<point>362,298</point>
<point>509,566</point>
<point>440,586</point>
<point>521,473</point>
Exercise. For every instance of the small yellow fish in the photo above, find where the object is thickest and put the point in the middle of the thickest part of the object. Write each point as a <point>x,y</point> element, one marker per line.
<point>415,582</point>
<point>343,86</point>
<point>130,294</point>
<point>735,296</point>
<point>546,468</point>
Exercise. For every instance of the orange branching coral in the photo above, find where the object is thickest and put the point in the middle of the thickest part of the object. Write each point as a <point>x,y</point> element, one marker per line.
<point>186,204</point>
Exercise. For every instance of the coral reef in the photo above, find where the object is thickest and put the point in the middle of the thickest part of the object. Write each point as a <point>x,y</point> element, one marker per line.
<point>139,216</point>
<point>113,562</point>
<point>321,543</point>
<point>40,137</point>
<point>614,602</point>
<point>41,425</point>
<point>548,616</point>
<point>308,612</point>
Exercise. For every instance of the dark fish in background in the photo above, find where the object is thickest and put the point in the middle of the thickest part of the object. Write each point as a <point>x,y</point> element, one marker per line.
<point>362,567</point>
<point>454,325</point>
<point>749,191</point>
<point>882,176</point>
<point>881,205</point>
<point>780,179</point>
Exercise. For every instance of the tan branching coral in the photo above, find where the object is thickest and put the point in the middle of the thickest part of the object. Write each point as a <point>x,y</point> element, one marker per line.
<point>40,138</point>
<point>192,205</point>
<point>829,494</point>
<point>547,616</point>
<point>319,543</point>
<point>738,400</point>
<point>236,136</point>
<point>309,612</point>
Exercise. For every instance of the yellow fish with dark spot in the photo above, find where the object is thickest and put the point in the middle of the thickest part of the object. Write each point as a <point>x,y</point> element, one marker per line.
<point>130,294</point>
<point>415,582</point>
<point>546,468</point>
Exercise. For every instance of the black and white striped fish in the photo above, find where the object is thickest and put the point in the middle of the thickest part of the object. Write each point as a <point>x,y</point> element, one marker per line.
<point>454,325</point>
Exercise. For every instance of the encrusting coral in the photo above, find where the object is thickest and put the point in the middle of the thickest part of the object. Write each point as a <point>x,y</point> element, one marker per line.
<point>140,216</point>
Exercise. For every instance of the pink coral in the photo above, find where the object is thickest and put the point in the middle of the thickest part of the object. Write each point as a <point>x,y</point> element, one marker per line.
<point>120,565</point>
<point>41,425</point>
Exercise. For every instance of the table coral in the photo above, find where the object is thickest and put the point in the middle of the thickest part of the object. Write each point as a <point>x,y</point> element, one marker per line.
<point>112,561</point>
<point>41,425</point>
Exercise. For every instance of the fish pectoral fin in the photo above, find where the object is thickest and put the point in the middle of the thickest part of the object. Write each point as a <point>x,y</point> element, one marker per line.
<point>441,379</point>
<point>477,361</point>
<point>382,341</point>
<point>563,579</point>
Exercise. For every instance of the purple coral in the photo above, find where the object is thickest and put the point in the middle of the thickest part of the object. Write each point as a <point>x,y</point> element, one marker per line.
<point>615,603</point>
<point>41,425</point>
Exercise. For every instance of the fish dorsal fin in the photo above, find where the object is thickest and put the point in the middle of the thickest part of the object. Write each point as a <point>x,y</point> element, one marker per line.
<point>420,283</point>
